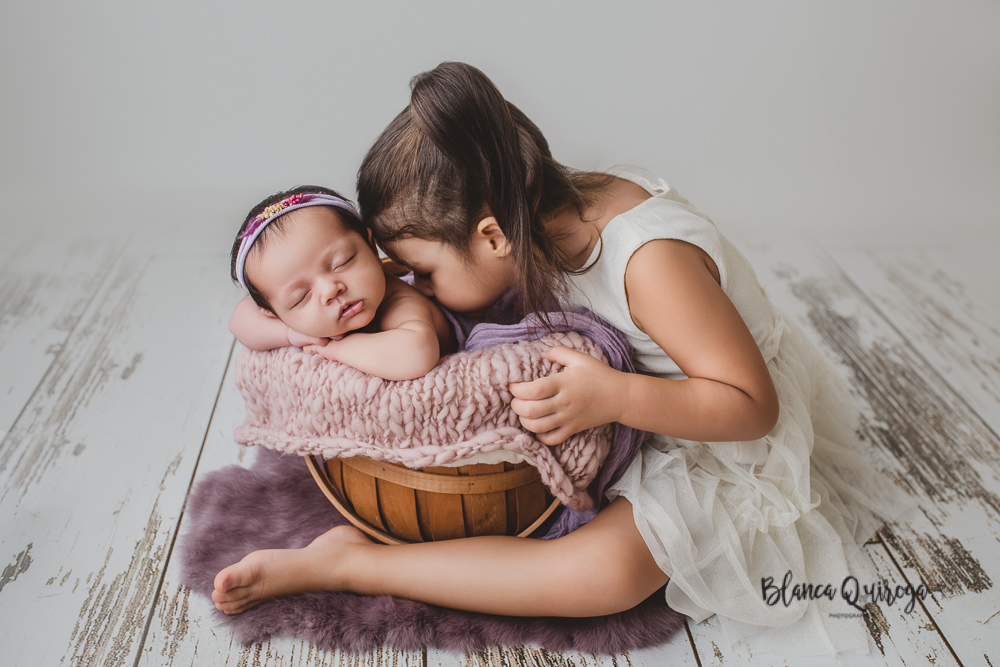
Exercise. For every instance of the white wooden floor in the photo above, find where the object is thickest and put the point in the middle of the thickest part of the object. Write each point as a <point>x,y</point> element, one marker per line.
<point>115,396</point>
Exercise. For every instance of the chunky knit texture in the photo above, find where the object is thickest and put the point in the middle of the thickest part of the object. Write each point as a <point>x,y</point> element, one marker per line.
<point>304,404</point>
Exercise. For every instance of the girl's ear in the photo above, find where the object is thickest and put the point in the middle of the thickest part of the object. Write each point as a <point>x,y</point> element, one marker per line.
<point>371,243</point>
<point>489,232</point>
<point>267,313</point>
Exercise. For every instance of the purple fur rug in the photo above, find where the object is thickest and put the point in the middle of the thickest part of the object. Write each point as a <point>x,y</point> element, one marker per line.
<point>276,504</point>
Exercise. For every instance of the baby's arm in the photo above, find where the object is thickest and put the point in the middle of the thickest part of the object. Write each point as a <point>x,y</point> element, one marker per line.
<point>406,345</point>
<point>258,329</point>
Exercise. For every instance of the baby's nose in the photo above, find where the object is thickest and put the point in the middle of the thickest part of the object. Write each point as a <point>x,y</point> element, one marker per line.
<point>332,289</point>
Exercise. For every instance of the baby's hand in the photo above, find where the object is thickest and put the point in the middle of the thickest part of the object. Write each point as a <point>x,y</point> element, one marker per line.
<point>327,349</point>
<point>296,339</point>
<point>584,394</point>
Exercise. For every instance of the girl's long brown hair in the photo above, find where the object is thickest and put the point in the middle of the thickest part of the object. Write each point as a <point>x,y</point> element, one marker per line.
<point>460,152</point>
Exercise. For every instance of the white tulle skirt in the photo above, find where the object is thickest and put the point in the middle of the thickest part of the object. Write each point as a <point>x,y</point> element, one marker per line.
<point>721,518</point>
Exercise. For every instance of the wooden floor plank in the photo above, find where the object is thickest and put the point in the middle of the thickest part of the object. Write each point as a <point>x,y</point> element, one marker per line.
<point>184,629</point>
<point>96,467</point>
<point>44,289</point>
<point>898,637</point>
<point>919,432</point>
<point>676,652</point>
<point>947,302</point>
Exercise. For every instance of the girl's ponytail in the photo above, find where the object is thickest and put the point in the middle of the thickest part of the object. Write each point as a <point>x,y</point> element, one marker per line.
<point>503,154</point>
<point>460,152</point>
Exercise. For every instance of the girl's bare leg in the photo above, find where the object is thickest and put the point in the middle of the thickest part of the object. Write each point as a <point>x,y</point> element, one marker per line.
<point>602,568</point>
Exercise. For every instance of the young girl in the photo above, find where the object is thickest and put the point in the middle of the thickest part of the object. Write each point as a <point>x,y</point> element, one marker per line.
<point>314,276</point>
<point>750,469</point>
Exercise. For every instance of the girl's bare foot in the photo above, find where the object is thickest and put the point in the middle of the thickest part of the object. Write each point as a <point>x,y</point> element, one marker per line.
<point>263,575</point>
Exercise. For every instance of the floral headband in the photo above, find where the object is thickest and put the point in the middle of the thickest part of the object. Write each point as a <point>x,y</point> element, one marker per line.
<point>275,211</point>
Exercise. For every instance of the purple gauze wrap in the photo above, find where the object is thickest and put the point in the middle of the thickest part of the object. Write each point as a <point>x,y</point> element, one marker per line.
<point>473,334</point>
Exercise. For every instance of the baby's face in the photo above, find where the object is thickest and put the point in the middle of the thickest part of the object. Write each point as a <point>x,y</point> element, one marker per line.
<point>320,277</point>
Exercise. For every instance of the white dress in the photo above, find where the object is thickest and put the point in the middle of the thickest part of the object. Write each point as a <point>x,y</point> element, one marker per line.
<point>719,517</point>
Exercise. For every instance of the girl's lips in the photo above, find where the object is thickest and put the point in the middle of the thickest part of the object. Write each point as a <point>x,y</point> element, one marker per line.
<point>352,309</point>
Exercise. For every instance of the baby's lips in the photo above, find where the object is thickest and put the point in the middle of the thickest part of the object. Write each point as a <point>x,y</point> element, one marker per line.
<point>352,307</point>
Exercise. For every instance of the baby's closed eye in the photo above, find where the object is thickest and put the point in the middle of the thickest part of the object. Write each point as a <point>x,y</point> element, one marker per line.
<point>344,263</point>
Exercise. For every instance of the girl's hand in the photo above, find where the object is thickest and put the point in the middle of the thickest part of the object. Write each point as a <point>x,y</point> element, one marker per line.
<point>584,394</point>
<point>296,339</point>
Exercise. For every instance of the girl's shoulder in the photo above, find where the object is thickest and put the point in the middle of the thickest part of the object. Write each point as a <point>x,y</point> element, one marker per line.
<point>643,178</point>
<point>643,209</point>
<point>616,198</point>
<point>650,224</point>
<point>623,195</point>
<point>656,187</point>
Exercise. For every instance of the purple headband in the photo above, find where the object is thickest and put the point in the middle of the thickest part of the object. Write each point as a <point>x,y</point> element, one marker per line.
<point>275,211</point>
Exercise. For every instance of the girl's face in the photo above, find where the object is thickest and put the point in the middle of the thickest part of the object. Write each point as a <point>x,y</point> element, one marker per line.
<point>319,276</point>
<point>462,284</point>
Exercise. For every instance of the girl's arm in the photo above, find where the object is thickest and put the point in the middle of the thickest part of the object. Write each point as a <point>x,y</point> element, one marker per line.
<point>258,329</point>
<point>407,346</point>
<point>675,298</point>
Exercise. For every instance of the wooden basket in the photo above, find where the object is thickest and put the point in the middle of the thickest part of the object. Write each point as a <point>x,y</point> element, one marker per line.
<point>395,504</point>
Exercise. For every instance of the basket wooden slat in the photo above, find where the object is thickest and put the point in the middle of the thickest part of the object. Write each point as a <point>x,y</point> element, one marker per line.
<point>362,491</point>
<point>510,506</point>
<point>529,502</point>
<point>486,513</point>
<point>335,474</point>
<point>441,513</point>
<point>398,506</point>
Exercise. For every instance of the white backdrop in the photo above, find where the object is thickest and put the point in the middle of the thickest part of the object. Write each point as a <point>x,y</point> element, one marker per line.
<point>851,121</point>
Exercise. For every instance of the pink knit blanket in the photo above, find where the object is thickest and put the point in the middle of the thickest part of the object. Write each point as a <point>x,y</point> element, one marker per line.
<point>302,404</point>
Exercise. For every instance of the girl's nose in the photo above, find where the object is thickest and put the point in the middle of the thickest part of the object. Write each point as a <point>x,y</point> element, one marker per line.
<point>423,286</point>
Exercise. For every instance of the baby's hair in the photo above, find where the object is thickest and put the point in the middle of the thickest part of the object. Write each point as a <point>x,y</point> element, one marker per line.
<point>353,223</point>
<point>460,152</point>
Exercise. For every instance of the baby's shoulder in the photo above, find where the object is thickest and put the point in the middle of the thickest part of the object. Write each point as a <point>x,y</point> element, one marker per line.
<point>404,303</point>
<point>400,294</point>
